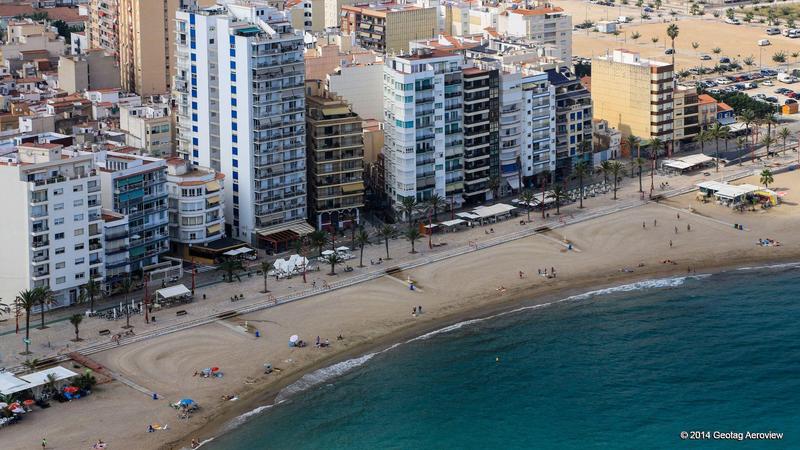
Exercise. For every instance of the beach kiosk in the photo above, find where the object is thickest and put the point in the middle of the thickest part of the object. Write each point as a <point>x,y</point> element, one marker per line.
<point>171,295</point>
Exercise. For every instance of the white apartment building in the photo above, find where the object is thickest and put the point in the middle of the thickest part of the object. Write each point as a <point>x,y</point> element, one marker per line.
<point>423,117</point>
<point>539,135</point>
<point>241,111</point>
<point>547,25</point>
<point>52,230</point>
<point>196,205</point>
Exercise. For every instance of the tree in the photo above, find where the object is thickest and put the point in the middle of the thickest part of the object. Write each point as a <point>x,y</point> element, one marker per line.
<point>672,33</point>
<point>300,249</point>
<point>729,13</point>
<point>90,290</point>
<point>695,45</point>
<point>362,239</point>
<point>654,39</point>
<point>605,166</point>
<point>716,133</point>
<point>784,135</point>
<point>265,266</point>
<point>767,141</point>
<point>26,300</point>
<point>748,61</point>
<point>387,232</point>
<point>44,298</point>
<point>748,16</point>
<point>741,141</point>
<point>581,170</point>
<point>435,203</point>
<point>635,35</point>
<point>795,55</point>
<point>545,179</point>
<point>126,287</point>
<point>632,142</point>
<point>616,168</point>
<point>31,364</point>
<point>230,268</point>
<point>413,235</point>
<point>640,163</point>
<point>318,239</point>
<point>76,320</point>
<point>748,117</point>
<point>494,185</point>
<point>779,57</point>
<point>766,178</point>
<point>333,259</point>
<point>409,207</point>
<point>716,50</point>
<point>527,196</point>
<point>656,146</point>
<point>558,194</point>
<point>702,137</point>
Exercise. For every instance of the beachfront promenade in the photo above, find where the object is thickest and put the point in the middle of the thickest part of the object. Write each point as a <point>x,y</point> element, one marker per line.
<point>55,340</point>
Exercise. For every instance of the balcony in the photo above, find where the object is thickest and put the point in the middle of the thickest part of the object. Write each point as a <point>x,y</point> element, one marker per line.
<point>40,244</point>
<point>40,228</point>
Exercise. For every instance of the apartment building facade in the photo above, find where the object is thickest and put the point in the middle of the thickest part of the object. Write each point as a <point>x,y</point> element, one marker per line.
<point>481,134</point>
<point>547,25</point>
<point>423,126</point>
<point>634,95</point>
<point>241,111</point>
<point>335,151</point>
<point>573,121</point>
<point>54,238</point>
<point>388,27</point>
<point>196,206</point>
<point>148,127</point>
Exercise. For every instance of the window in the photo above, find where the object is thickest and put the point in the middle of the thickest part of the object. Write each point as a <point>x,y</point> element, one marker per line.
<point>61,280</point>
<point>59,250</point>
<point>78,232</point>
<point>79,261</point>
<point>78,202</point>
<point>58,191</point>
<point>60,265</point>
<point>79,246</point>
<point>59,236</point>
<point>58,206</point>
<point>58,221</point>
<point>77,217</point>
<point>80,276</point>
<point>77,188</point>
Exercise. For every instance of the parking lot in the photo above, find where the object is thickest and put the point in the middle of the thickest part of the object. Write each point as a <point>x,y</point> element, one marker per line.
<point>760,84</point>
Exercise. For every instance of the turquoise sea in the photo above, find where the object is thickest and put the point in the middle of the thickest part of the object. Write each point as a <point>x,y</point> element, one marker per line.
<point>629,367</point>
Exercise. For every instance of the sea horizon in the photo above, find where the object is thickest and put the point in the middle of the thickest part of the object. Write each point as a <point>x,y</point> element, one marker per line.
<point>315,382</point>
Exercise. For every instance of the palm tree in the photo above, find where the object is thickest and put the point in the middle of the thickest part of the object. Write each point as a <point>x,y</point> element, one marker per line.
<point>362,239</point>
<point>702,137</point>
<point>558,194</point>
<point>605,166</point>
<point>767,141</point>
<point>784,135</point>
<point>749,61</point>
<point>654,39</point>
<point>299,248</point>
<point>616,168</point>
<point>76,320</point>
<point>435,203</point>
<point>318,239</point>
<point>265,266</point>
<point>45,299</point>
<point>779,57</point>
<point>494,185</point>
<point>545,178</point>
<point>230,268</point>
<point>672,32</point>
<point>769,120</point>
<point>527,196</point>
<point>748,117</point>
<point>716,50</point>
<point>413,235</point>
<point>90,290</point>
<point>409,206</point>
<point>31,364</point>
<point>635,35</point>
<point>333,259</point>
<point>741,141</point>
<point>695,45</point>
<point>766,178</point>
<point>716,133</point>
<point>632,142</point>
<point>640,163</point>
<point>581,170</point>
<point>387,232</point>
<point>126,287</point>
<point>26,300</point>
<point>656,147</point>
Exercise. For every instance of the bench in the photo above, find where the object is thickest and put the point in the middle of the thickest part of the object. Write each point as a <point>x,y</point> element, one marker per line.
<point>104,332</point>
<point>181,312</point>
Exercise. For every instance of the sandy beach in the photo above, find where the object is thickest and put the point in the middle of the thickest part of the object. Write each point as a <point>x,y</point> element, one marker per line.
<point>375,314</point>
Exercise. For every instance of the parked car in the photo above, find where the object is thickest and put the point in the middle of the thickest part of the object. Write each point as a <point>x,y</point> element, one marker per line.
<point>781,90</point>
<point>724,60</point>
<point>647,9</point>
<point>768,83</point>
<point>792,94</point>
<point>733,21</point>
<point>771,99</point>
<point>789,101</point>
<point>750,85</point>
<point>669,51</point>
<point>722,80</point>
<point>763,42</point>
<point>769,72</point>
<point>714,91</point>
<point>739,86</point>
<point>760,96</point>
<point>773,31</point>
<point>705,57</point>
<point>787,78</point>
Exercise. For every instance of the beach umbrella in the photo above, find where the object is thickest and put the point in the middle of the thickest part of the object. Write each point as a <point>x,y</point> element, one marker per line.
<point>13,406</point>
<point>28,402</point>
<point>294,338</point>
<point>215,369</point>
<point>343,249</point>
<point>328,252</point>
<point>186,402</point>
<point>18,410</point>
<point>71,389</point>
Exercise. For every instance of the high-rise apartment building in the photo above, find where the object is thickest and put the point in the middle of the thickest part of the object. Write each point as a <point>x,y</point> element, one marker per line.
<point>53,232</point>
<point>148,127</point>
<point>139,33</point>
<point>547,25</point>
<point>481,134</point>
<point>634,95</point>
<point>424,140</point>
<point>389,27</point>
<point>241,111</point>
<point>135,186</point>
<point>573,121</point>
<point>335,160</point>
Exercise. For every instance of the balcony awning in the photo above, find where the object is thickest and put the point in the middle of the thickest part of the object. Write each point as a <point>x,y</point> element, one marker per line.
<point>340,111</point>
<point>212,186</point>
<point>285,231</point>
<point>213,200</point>
<point>354,187</point>
<point>213,229</point>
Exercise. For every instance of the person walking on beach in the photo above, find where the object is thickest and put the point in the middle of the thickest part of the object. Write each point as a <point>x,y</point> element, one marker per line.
<point>688,227</point>
<point>655,222</point>
<point>414,312</point>
<point>670,243</point>
<point>643,225</point>
<point>676,230</point>
<point>679,216</point>
<point>44,442</point>
<point>419,309</point>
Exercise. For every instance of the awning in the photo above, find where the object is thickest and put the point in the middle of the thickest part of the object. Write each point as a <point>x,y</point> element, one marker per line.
<point>451,223</point>
<point>212,186</point>
<point>513,182</point>
<point>286,231</point>
<point>178,290</point>
<point>213,200</point>
<point>40,378</point>
<point>353,187</point>
<point>340,111</point>
<point>213,229</point>
<point>238,251</point>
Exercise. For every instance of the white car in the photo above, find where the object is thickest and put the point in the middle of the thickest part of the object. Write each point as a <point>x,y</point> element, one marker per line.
<point>722,80</point>
<point>733,21</point>
<point>767,83</point>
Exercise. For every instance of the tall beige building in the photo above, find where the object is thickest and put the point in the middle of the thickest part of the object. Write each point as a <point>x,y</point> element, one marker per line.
<point>634,95</point>
<point>388,28</point>
<point>140,33</point>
